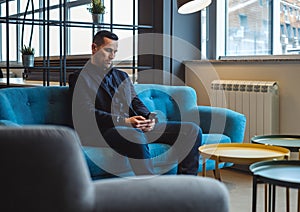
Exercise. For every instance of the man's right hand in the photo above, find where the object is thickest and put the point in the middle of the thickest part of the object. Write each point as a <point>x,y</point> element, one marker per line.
<point>140,122</point>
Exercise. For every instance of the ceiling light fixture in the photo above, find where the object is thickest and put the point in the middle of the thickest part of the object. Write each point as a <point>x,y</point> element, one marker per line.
<point>191,6</point>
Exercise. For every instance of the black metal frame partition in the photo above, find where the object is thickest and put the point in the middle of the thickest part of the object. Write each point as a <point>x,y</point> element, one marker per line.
<point>63,25</point>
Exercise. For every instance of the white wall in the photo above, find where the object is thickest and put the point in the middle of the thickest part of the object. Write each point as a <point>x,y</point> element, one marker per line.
<point>199,74</point>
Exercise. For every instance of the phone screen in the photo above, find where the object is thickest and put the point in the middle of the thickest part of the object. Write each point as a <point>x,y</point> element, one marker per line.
<point>152,115</point>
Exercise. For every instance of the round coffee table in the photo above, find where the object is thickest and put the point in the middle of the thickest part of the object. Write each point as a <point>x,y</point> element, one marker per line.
<point>291,142</point>
<point>284,173</point>
<point>240,153</point>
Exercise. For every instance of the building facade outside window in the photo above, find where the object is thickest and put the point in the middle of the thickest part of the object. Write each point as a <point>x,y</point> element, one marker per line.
<point>249,26</point>
<point>290,26</point>
<point>260,27</point>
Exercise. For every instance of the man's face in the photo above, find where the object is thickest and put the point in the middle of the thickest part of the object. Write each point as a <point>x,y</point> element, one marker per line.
<point>105,53</point>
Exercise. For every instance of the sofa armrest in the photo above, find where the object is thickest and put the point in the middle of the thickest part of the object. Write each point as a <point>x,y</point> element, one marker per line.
<point>162,193</point>
<point>9,123</point>
<point>221,121</point>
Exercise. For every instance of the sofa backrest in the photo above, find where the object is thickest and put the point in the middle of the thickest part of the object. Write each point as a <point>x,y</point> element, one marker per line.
<point>43,170</point>
<point>38,105</point>
<point>170,102</point>
<point>52,105</point>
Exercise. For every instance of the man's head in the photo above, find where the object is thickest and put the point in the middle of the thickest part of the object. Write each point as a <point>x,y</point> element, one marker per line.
<point>104,48</point>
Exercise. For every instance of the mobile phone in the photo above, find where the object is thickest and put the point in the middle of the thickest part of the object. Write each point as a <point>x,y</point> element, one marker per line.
<point>152,115</point>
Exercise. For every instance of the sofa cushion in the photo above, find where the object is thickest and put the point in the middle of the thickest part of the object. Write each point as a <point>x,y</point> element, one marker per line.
<point>104,161</point>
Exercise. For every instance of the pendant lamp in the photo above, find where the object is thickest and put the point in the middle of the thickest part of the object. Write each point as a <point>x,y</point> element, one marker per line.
<point>191,6</point>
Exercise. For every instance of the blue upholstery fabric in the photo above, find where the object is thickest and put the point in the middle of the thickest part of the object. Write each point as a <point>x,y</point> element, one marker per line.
<point>212,118</point>
<point>9,123</point>
<point>102,156</point>
<point>43,105</point>
<point>219,125</point>
<point>169,103</point>
<point>215,138</point>
<point>52,105</point>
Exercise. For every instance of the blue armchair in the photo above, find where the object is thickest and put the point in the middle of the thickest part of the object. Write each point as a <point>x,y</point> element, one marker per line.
<point>52,106</point>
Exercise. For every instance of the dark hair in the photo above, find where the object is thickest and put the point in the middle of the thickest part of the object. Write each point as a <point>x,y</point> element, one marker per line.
<point>98,38</point>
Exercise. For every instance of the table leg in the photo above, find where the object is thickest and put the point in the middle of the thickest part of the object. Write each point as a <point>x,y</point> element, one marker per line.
<point>273,197</point>
<point>298,209</point>
<point>287,200</point>
<point>254,193</point>
<point>266,197</point>
<point>203,167</point>
<point>217,170</point>
<point>270,199</point>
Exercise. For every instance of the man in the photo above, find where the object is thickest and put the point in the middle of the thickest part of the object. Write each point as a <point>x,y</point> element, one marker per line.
<point>107,95</point>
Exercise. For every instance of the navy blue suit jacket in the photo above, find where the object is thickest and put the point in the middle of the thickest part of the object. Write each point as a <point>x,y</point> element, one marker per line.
<point>110,96</point>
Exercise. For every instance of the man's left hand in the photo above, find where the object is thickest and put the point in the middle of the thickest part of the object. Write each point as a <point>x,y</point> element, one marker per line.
<point>149,126</point>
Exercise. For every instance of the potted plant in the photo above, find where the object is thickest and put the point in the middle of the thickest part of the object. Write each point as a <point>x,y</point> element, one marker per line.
<point>27,56</point>
<point>97,9</point>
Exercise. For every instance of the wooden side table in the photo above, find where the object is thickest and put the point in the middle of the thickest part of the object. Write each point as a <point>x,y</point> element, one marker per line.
<point>240,153</point>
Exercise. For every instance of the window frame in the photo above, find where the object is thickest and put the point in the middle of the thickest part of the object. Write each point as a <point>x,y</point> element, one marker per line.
<point>216,33</point>
<point>132,27</point>
<point>64,32</point>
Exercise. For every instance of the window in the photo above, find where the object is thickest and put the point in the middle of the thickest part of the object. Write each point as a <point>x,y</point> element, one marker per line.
<point>258,27</point>
<point>79,31</point>
<point>80,38</point>
<point>248,27</point>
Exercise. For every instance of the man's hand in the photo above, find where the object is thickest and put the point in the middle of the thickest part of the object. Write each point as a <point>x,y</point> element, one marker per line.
<point>141,123</point>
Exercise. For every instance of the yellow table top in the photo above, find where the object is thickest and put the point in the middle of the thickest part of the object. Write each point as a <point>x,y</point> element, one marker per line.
<point>243,153</point>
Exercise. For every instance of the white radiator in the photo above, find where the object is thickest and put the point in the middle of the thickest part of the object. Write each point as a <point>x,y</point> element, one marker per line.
<point>257,100</point>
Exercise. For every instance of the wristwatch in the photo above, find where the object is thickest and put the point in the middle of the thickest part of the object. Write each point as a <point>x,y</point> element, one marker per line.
<point>120,120</point>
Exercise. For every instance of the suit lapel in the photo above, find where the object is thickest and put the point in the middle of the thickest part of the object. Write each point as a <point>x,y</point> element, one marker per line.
<point>106,89</point>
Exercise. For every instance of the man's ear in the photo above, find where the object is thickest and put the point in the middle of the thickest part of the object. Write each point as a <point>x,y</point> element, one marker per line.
<point>94,48</point>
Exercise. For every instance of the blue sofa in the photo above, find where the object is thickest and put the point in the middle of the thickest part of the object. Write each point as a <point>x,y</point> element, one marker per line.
<point>52,106</point>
